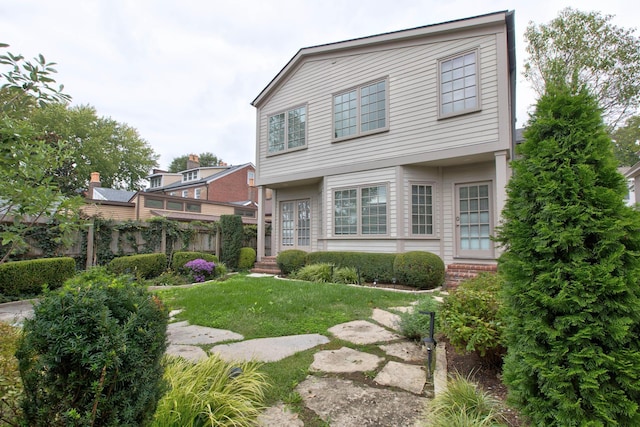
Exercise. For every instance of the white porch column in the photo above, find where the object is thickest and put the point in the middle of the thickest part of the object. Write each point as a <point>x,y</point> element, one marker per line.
<point>261,225</point>
<point>502,178</point>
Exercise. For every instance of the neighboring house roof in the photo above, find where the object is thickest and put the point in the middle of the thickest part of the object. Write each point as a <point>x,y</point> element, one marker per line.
<point>109,194</point>
<point>395,36</point>
<point>206,180</point>
<point>186,216</point>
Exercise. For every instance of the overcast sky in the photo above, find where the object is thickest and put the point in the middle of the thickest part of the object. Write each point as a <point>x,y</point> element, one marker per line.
<point>184,72</point>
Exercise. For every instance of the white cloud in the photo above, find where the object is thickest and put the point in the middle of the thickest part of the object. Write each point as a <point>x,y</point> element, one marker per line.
<point>184,72</point>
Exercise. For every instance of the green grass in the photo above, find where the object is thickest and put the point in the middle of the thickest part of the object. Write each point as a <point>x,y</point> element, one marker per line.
<point>269,307</point>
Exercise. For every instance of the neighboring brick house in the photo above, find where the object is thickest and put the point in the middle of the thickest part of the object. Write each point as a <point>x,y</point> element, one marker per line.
<point>226,184</point>
<point>392,142</point>
<point>141,205</point>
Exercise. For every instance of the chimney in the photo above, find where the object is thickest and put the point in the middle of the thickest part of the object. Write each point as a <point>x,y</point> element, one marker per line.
<point>95,182</point>
<point>193,161</point>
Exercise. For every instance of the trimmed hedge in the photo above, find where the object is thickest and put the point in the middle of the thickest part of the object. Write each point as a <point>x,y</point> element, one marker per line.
<point>181,258</point>
<point>146,266</point>
<point>372,266</point>
<point>19,278</point>
<point>291,260</point>
<point>421,269</point>
<point>247,259</point>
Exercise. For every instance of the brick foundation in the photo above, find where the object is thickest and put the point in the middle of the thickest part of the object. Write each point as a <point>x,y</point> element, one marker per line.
<point>456,273</point>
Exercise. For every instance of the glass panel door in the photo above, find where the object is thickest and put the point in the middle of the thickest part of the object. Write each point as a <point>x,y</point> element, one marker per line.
<point>295,223</point>
<point>473,220</point>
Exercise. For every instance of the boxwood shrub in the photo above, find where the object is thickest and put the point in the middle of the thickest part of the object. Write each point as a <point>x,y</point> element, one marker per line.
<point>372,266</point>
<point>421,269</point>
<point>26,278</point>
<point>145,266</point>
<point>247,259</point>
<point>291,260</point>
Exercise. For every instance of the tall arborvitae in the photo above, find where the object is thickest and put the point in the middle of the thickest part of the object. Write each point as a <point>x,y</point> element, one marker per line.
<point>572,266</point>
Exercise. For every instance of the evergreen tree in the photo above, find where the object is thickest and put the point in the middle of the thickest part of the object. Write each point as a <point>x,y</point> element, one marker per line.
<point>572,266</point>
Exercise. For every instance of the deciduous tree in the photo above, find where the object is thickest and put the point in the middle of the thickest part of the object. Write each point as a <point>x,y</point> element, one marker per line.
<point>587,48</point>
<point>179,164</point>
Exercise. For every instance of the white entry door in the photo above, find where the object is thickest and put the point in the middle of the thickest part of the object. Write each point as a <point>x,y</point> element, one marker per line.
<point>295,224</point>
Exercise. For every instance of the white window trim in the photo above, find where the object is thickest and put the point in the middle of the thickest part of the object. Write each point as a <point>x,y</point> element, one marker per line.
<point>359,132</point>
<point>197,193</point>
<point>190,176</point>
<point>433,208</point>
<point>286,130</point>
<point>474,253</point>
<point>185,193</point>
<point>478,107</point>
<point>358,189</point>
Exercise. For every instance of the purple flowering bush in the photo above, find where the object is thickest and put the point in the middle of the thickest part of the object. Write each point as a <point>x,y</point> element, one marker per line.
<point>200,269</point>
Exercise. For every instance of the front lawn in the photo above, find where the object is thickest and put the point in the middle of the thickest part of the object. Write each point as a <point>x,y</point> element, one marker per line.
<point>268,307</point>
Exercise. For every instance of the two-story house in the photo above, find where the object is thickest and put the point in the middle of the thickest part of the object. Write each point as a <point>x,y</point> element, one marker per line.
<point>393,142</point>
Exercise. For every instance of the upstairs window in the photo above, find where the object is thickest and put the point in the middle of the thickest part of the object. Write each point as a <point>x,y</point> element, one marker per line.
<point>458,77</point>
<point>361,110</point>
<point>190,176</point>
<point>288,130</point>
<point>197,193</point>
<point>155,182</point>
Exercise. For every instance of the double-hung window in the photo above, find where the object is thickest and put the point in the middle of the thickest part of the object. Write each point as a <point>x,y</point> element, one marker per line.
<point>360,211</point>
<point>287,130</point>
<point>361,110</point>
<point>459,84</point>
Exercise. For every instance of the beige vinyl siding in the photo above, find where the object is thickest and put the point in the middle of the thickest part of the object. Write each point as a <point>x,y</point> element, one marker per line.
<point>110,212</point>
<point>413,108</point>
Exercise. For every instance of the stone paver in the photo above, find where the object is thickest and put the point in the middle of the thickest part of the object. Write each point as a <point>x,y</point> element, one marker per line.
<point>407,377</point>
<point>279,416</point>
<point>406,350</point>
<point>186,334</point>
<point>189,352</point>
<point>387,319</point>
<point>268,349</point>
<point>344,403</point>
<point>345,360</point>
<point>363,332</point>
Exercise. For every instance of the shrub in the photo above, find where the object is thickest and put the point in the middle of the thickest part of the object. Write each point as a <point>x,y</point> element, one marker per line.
<point>314,273</point>
<point>26,278</point>
<point>221,270</point>
<point>291,260</point>
<point>571,271</point>
<point>464,404</point>
<point>471,317</point>
<point>346,275</point>
<point>169,278</point>
<point>247,259</point>
<point>10,384</point>
<point>371,266</point>
<point>200,270</point>
<point>91,355</point>
<point>414,324</point>
<point>180,258</point>
<point>423,270</point>
<point>145,266</point>
<point>211,392</point>
<point>232,237</point>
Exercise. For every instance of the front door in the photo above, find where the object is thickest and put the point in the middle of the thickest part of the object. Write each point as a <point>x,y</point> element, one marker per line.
<point>473,220</point>
<point>295,224</point>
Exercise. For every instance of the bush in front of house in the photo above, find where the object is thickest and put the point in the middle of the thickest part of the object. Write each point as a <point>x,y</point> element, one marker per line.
<point>291,260</point>
<point>314,273</point>
<point>26,278</point>
<point>371,266</point>
<point>91,354</point>
<point>345,275</point>
<point>145,266</point>
<point>247,259</point>
<point>180,258</point>
<point>421,269</point>
<point>471,317</point>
